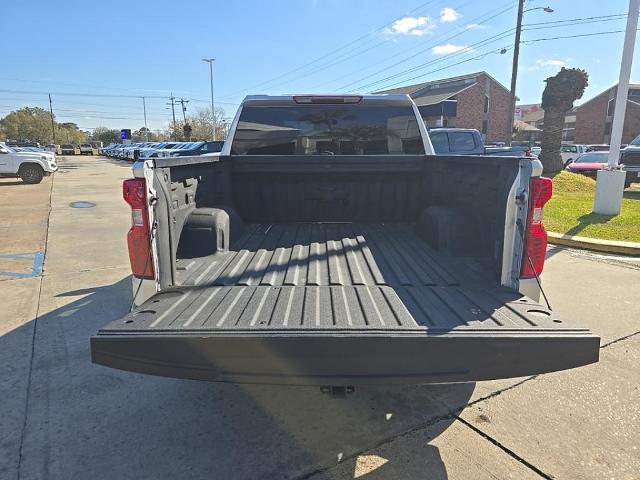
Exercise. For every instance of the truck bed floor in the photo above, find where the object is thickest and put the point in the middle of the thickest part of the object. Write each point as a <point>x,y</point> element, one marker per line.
<point>338,277</point>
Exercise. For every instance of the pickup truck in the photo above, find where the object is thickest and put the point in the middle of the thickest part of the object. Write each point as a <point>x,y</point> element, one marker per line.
<point>31,167</point>
<point>468,141</point>
<point>630,158</point>
<point>327,245</point>
<point>86,149</point>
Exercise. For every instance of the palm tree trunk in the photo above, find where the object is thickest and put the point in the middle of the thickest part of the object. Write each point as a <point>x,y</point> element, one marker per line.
<point>552,140</point>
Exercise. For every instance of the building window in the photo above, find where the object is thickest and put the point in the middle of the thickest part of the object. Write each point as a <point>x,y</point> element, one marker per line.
<point>485,126</point>
<point>486,104</point>
<point>611,107</point>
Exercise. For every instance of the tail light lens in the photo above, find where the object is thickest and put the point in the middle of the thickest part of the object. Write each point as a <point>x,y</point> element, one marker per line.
<point>327,99</point>
<point>134,192</point>
<point>540,191</point>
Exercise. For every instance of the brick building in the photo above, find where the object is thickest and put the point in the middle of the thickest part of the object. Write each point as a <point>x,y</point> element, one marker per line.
<point>476,100</point>
<point>594,117</point>
<point>533,114</point>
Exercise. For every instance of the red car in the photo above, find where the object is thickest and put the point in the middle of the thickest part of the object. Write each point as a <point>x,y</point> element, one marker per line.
<point>589,163</point>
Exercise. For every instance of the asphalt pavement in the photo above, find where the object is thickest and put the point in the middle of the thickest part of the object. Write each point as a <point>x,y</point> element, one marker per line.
<point>62,417</point>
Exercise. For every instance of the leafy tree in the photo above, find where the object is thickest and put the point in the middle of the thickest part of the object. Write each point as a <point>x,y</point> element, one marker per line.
<point>105,135</point>
<point>70,133</point>
<point>28,124</point>
<point>200,123</point>
<point>33,124</point>
<point>557,99</point>
<point>142,134</point>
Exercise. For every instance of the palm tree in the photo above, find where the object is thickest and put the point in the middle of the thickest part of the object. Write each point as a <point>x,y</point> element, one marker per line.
<point>557,99</point>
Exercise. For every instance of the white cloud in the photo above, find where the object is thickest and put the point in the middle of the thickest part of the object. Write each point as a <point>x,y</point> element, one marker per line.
<point>475,26</point>
<point>551,63</point>
<point>417,26</point>
<point>448,48</point>
<point>448,14</point>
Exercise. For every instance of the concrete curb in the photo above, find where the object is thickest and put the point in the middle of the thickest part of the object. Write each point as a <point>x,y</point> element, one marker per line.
<point>606,246</point>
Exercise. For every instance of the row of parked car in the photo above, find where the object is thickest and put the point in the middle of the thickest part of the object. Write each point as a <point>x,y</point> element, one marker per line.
<point>127,151</point>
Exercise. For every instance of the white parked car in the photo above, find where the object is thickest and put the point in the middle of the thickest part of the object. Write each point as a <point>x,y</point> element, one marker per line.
<point>31,167</point>
<point>570,152</point>
<point>86,149</point>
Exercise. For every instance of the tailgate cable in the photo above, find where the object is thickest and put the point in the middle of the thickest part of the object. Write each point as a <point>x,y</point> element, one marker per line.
<point>146,264</point>
<point>526,252</point>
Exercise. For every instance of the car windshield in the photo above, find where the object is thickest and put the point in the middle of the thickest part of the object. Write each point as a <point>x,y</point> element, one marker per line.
<point>636,141</point>
<point>600,157</point>
<point>327,130</point>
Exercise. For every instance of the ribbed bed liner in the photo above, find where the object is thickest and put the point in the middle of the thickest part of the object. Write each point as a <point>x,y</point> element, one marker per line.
<point>331,254</point>
<point>336,276</point>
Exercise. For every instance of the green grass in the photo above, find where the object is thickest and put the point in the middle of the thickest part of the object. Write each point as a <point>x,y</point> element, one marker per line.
<point>570,211</point>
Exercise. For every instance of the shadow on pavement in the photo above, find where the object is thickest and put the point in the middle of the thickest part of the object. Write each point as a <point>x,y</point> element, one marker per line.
<point>12,182</point>
<point>88,421</point>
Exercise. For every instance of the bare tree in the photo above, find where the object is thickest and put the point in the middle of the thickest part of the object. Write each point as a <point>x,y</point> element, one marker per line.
<point>557,99</point>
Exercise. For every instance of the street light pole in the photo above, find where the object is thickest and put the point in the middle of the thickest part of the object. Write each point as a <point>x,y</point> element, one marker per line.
<point>213,110</point>
<point>514,66</point>
<point>610,182</point>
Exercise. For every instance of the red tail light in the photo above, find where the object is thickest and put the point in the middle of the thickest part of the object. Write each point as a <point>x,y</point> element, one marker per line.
<point>540,191</point>
<point>134,192</point>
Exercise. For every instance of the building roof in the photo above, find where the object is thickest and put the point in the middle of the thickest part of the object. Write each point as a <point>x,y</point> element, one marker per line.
<point>521,126</point>
<point>632,86</point>
<point>415,91</point>
<point>439,95</point>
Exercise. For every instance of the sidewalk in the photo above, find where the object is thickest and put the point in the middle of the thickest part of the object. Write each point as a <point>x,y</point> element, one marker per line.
<point>598,245</point>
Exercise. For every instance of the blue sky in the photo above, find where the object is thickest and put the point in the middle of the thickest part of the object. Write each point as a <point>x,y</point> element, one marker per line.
<point>107,54</point>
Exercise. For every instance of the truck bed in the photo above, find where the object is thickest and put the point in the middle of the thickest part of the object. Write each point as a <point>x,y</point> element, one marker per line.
<point>340,304</point>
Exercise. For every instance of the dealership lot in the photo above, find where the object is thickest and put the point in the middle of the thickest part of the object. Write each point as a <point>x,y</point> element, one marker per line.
<point>63,417</point>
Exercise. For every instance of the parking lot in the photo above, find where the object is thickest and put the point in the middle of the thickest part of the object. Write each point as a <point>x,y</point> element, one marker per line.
<point>64,273</point>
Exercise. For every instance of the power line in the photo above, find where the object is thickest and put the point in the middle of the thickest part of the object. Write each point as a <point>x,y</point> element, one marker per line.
<point>102,87</point>
<point>478,20</point>
<point>348,57</point>
<point>595,34</point>
<point>601,17</point>
<point>328,54</point>
<point>76,94</point>
<point>506,32</point>
<point>500,50</point>
<point>492,39</point>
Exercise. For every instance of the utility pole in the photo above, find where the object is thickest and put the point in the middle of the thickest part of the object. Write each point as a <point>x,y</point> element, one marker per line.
<point>53,123</point>
<point>213,108</point>
<point>610,182</point>
<point>514,66</point>
<point>514,73</point>
<point>182,101</point>
<point>173,111</point>
<point>173,103</point>
<point>144,108</point>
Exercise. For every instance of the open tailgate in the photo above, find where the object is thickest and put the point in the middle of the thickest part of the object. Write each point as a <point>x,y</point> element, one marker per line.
<point>342,335</point>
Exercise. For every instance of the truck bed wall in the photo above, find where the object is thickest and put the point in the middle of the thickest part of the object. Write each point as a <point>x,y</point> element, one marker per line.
<point>456,203</point>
